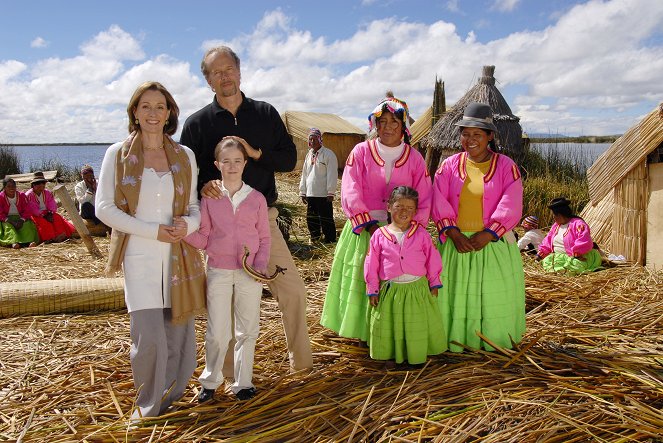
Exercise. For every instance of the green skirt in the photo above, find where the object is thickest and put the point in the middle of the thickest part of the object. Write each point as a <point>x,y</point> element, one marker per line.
<point>346,308</point>
<point>406,324</point>
<point>484,291</point>
<point>9,235</point>
<point>556,262</point>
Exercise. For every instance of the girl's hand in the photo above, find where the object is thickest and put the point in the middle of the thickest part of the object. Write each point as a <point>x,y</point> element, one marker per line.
<point>461,242</point>
<point>433,292</point>
<point>373,299</point>
<point>180,227</point>
<point>480,239</point>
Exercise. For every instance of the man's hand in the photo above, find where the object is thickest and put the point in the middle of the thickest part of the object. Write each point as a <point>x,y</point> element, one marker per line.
<point>211,189</point>
<point>252,152</point>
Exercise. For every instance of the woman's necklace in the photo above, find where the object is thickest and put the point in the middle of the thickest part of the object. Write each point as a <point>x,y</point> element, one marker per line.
<point>156,148</point>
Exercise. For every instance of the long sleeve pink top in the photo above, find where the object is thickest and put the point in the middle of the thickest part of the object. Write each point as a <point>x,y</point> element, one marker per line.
<point>364,187</point>
<point>223,233</point>
<point>502,195</point>
<point>577,239</point>
<point>49,201</point>
<point>388,259</point>
<point>25,208</point>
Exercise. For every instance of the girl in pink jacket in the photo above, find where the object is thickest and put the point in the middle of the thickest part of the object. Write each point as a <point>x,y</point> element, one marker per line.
<point>371,171</point>
<point>568,246</point>
<point>228,225</point>
<point>402,273</point>
<point>477,201</point>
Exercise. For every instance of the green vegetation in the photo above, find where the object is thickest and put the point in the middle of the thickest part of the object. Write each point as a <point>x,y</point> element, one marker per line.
<point>9,163</point>
<point>581,139</point>
<point>65,173</point>
<point>551,174</point>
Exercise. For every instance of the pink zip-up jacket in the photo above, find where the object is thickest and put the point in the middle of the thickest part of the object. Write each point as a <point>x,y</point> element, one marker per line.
<point>577,239</point>
<point>502,194</point>
<point>49,201</point>
<point>25,208</point>
<point>387,259</point>
<point>223,234</point>
<point>363,186</point>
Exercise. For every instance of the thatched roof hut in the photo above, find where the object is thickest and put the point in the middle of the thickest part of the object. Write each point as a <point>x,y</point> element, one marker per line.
<point>338,134</point>
<point>443,139</point>
<point>625,211</point>
<point>423,125</point>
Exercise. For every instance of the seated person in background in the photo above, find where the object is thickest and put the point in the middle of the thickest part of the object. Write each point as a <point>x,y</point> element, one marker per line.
<point>16,228</point>
<point>85,192</point>
<point>568,245</point>
<point>51,226</point>
<point>533,236</point>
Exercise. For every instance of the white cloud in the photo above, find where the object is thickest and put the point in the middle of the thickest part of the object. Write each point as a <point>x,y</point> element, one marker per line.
<point>452,5</point>
<point>38,43</point>
<point>505,5</point>
<point>595,70</point>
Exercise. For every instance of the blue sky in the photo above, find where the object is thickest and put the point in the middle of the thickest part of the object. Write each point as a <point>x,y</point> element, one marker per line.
<point>67,69</point>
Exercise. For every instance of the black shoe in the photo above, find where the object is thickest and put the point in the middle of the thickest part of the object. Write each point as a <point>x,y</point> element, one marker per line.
<point>246,394</point>
<point>205,395</point>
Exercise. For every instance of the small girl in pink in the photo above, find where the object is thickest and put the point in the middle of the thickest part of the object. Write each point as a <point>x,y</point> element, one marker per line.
<point>228,225</point>
<point>402,273</point>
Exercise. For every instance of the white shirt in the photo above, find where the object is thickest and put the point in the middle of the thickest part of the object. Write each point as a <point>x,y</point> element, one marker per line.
<point>13,209</point>
<point>82,195</point>
<point>239,196</point>
<point>389,155</point>
<point>146,260</point>
<point>558,240</point>
<point>533,236</point>
<point>319,173</point>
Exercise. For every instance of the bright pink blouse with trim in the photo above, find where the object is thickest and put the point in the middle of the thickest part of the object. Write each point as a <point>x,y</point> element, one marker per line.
<point>364,187</point>
<point>388,259</point>
<point>49,201</point>
<point>25,208</point>
<point>502,194</point>
<point>577,239</point>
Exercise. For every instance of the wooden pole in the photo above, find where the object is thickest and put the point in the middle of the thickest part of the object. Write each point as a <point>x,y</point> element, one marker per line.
<point>60,191</point>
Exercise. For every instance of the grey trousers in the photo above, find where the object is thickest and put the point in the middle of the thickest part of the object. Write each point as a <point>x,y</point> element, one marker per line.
<point>163,358</point>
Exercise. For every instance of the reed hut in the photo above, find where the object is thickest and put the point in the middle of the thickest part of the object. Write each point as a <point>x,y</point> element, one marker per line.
<point>423,125</point>
<point>338,134</point>
<point>443,140</point>
<point>625,210</point>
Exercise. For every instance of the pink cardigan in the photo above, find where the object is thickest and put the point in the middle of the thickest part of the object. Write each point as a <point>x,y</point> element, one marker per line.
<point>364,187</point>
<point>223,234</point>
<point>502,194</point>
<point>49,201</point>
<point>577,239</point>
<point>387,259</point>
<point>25,208</point>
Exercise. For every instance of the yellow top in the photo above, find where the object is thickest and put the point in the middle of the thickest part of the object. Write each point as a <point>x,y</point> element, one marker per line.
<point>470,206</point>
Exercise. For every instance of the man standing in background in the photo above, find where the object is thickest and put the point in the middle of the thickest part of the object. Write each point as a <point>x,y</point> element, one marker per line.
<point>317,188</point>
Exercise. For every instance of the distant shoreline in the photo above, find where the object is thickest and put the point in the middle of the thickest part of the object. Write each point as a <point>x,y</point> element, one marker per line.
<point>58,144</point>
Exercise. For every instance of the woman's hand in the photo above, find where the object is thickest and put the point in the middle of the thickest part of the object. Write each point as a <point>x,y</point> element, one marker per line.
<point>49,217</point>
<point>373,300</point>
<point>461,242</point>
<point>211,189</point>
<point>433,292</point>
<point>167,234</point>
<point>181,227</point>
<point>371,229</point>
<point>17,224</point>
<point>480,239</point>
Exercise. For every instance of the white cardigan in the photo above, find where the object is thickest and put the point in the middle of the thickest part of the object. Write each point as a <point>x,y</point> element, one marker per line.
<point>147,260</point>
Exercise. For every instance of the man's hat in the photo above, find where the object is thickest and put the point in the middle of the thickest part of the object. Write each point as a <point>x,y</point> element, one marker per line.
<point>38,177</point>
<point>477,115</point>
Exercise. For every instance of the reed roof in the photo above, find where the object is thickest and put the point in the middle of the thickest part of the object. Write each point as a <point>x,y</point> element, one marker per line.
<point>444,135</point>
<point>625,154</point>
<point>298,124</point>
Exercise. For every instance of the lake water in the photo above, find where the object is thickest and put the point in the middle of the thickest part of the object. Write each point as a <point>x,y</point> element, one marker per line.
<point>32,157</point>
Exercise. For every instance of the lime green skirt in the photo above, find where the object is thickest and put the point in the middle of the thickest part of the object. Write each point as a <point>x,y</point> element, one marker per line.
<point>406,324</point>
<point>9,235</point>
<point>560,262</point>
<point>484,291</point>
<point>346,308</point>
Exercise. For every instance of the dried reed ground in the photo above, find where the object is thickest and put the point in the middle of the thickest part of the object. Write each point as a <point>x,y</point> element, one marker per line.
<point>589,369</point>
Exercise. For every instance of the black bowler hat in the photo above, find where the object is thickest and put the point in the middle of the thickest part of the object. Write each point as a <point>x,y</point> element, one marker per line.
<point>559,202</point>
<point>477,115</point>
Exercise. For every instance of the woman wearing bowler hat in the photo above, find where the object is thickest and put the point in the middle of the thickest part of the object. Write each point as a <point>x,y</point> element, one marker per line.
<point>477,201</point>
<point>568,246</point>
